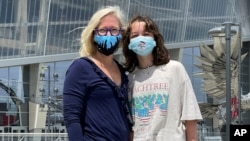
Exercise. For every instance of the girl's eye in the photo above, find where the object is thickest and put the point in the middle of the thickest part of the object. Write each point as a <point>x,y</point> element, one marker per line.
<point>147,34</point>
<point>133,36</point>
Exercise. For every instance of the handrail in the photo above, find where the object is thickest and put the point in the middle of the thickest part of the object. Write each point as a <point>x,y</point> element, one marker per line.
<point>35,134</point>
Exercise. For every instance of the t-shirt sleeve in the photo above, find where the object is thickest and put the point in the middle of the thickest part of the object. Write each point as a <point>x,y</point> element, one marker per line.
<point>190,107</point>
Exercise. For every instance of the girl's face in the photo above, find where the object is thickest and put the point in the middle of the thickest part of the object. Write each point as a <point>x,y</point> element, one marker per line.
<point>138,29</point>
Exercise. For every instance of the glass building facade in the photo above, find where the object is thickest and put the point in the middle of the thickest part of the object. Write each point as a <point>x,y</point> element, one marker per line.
<point>40,38</point>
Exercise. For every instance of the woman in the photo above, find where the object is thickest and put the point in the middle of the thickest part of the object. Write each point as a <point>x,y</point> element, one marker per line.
<point>164,106</point>
<point>95,87</point>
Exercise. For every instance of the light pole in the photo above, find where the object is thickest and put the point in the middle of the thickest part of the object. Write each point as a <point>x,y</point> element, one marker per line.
<point>239,73</point>
<point>225,31</point>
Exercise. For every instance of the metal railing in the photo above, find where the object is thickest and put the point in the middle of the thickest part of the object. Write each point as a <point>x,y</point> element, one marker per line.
<point>33,137</point>
<point>205,133</point>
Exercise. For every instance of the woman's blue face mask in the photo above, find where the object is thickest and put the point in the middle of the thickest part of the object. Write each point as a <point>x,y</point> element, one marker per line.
<point>142,45</point>
<point>107,45</point>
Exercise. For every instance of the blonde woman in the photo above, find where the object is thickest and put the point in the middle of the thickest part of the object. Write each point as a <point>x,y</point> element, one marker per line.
<point>95,87</point>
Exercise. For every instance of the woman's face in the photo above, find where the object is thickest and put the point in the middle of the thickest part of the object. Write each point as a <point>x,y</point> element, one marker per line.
<point>138,29</point>
<point>108,24</point>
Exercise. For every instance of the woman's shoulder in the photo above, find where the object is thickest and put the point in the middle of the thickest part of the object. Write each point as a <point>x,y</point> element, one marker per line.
<point>79,64</point>
<point>81,61</point>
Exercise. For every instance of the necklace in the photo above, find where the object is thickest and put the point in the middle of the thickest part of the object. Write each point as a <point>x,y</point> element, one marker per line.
<point>146,70</point>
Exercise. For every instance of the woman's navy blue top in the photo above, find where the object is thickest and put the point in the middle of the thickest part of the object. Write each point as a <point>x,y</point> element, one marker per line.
<point>94,106</point>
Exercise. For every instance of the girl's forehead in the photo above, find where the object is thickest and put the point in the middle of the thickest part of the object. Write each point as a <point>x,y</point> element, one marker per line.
<point>138,25</point>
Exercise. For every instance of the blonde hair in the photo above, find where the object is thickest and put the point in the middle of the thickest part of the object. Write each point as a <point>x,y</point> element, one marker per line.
<point>87,43</point>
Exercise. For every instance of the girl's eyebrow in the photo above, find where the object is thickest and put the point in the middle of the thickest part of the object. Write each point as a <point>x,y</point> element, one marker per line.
<point>133,32</point>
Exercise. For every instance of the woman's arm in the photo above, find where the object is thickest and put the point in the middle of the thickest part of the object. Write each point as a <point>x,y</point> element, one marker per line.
<point>73,101</point>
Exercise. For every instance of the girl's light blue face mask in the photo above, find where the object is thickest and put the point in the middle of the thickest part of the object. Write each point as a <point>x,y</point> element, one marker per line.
<point>142,45</point>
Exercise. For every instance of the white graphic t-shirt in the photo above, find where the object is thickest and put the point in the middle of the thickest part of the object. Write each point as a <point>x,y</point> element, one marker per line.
<point>162,98</point>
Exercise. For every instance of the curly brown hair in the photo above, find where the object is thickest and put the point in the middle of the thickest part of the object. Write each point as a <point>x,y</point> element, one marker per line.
<point>160,52</point>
